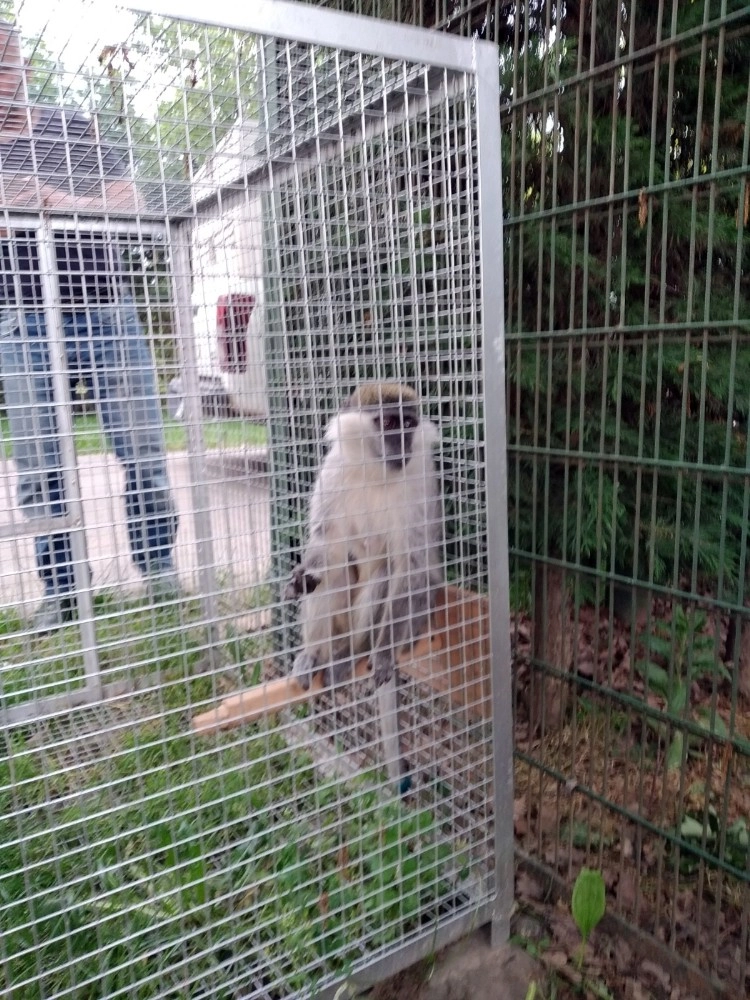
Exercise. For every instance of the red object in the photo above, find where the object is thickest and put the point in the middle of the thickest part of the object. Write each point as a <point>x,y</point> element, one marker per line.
<point>233,313</point>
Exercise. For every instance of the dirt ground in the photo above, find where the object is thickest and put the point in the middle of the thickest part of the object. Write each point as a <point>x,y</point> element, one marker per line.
<point>541,962</point>
<point>472,970</point>
<point>469,970</point>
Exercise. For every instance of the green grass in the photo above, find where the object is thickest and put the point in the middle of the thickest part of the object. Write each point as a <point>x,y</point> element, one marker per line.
<point>217,434</point>
<point>140,861</point>
<point>133,639</point>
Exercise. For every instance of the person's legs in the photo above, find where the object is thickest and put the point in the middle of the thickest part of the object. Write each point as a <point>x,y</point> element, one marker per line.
<point>27,385</point>
<point>129,405</point>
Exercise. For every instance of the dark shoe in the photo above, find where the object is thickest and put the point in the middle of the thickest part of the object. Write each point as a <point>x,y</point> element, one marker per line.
<point>53,613</point>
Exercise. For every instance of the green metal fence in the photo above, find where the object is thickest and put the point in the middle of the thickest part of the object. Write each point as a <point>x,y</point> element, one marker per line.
<point>626,130</point>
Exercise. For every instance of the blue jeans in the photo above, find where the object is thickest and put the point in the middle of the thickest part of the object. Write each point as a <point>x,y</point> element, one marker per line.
<point>106,345</point>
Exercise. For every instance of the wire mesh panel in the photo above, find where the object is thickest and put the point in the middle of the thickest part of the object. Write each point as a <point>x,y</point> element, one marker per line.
<point>630,461</point>
<point>212,237</point>
<point>626,130</point>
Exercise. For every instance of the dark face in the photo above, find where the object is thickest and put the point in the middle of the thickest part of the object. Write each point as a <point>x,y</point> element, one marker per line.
<point>396,423</point>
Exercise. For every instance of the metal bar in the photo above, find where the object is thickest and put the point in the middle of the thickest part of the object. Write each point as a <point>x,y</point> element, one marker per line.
<point>353,32</point>
<point>604,201</point>
<point>701,443</point>
<point>64,420</point>
<point>352,130</point>
<point>590,455</point>
<point>180,247</point>
<point>39,526</point>
<point>67,223</point>
<point>39,709</point>
<point>669,44</point>
<point>387,695</point>
<point>675,327</point>
<point>493,312</point>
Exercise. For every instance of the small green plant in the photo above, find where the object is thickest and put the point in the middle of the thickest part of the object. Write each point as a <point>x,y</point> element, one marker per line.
<point>677,654</point>
<point>587,905</point>
<point>534,948</point>
<point>705,835</point>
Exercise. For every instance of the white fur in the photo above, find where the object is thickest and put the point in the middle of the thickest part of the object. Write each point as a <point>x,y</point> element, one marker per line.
<point>374,528</point>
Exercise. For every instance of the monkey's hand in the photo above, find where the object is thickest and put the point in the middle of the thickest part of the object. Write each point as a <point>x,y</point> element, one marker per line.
<point>383,665</point>
<point>302,582</point>
<point>304,667</point>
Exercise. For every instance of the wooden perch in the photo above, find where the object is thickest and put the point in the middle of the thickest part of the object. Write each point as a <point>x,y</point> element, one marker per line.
<point>453,659</point>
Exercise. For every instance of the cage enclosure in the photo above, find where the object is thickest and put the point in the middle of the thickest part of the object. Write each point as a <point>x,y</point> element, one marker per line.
<point>233,223</point>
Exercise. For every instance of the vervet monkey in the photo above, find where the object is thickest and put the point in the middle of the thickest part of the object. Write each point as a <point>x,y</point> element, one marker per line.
<point>373,560</point>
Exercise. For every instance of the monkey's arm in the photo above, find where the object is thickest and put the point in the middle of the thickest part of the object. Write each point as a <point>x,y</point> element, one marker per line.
<point>308,573</point>
<point>405,616</point>
<point>327,638</point>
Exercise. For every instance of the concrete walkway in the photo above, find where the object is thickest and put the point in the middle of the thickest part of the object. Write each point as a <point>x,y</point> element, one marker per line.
<point>229,505</point>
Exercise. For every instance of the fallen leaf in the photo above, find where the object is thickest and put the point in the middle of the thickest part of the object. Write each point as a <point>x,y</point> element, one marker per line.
<point>520,816</point>
<point>627,889</point>
<point>623,954</point>
<point>557,959</point>
<point>529,927</point>
<point>649,968</point>
<point>528,887</point>
<point>343,860</point>
<point>548,817</point>
<point>642,208</point>
<point>585,664</point>
<point>522,631</point>
<point>634,991</point>
<point>562,928</point>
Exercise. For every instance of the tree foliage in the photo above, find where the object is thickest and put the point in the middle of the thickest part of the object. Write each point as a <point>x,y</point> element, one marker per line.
<point>627,191</point>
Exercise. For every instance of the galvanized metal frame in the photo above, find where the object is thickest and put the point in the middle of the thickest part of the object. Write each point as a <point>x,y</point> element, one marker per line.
<point>298,22</point>
<point>478,62</point>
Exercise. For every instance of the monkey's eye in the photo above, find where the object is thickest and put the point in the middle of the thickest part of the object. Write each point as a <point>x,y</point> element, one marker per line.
<point>409,422</point>
<point>390,422</point>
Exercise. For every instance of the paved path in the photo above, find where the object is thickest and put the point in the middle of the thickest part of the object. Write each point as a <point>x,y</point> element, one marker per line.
<point>232,494</point>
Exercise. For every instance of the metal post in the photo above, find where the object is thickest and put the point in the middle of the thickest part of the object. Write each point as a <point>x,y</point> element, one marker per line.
<point>178,237</point>
<point>493,338</point>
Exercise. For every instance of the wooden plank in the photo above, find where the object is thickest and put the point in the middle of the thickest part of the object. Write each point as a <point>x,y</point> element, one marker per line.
<point>453,659</point>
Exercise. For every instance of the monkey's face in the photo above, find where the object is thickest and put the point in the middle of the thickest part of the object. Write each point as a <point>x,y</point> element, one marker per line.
<point>395,426</point>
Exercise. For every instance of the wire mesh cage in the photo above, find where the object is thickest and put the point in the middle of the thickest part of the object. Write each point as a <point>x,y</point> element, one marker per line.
<point>212,235</point>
